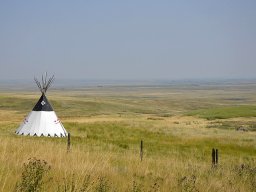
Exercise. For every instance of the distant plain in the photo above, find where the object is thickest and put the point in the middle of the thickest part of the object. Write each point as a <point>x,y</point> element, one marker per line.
<point>179,124</point>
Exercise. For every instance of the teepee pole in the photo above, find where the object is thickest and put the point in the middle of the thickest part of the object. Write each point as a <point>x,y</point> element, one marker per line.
<point>44,84</point>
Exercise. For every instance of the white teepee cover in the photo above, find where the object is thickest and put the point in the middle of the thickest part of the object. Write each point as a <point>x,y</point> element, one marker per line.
<point>42,123</point>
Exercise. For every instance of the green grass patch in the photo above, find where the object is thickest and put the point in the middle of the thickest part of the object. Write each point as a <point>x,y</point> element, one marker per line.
<point>225,112</point>
<point>17,104</point>
<point>121,136</point>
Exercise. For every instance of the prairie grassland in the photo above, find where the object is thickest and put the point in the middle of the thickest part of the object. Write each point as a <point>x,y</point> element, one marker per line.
<point>179,126</point>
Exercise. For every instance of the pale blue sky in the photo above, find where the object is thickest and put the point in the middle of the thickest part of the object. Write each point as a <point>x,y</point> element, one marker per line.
<point>135,39</point>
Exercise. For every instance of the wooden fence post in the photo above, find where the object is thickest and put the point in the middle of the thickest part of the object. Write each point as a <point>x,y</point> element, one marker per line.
<point>216,157</point>
<point>141,150</point>
<point>68,144</point>
<point>213,157</point>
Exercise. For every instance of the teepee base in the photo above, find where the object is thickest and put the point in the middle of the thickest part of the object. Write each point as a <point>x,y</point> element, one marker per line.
<point>42,123</point>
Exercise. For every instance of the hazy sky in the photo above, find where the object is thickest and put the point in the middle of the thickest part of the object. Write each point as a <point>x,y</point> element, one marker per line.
<point>133,39</point>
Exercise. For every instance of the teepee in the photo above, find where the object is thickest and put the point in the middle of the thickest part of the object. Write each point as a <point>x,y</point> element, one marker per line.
<point>42,120</point>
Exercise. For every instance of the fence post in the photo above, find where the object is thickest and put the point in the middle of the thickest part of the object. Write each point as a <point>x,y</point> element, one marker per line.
<point>213,157</point>
<point>217,157</point>
<point>141,150</point>
<point>68,144</point>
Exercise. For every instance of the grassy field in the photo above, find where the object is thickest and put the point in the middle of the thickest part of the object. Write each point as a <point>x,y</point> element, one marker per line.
<point>179,126</point>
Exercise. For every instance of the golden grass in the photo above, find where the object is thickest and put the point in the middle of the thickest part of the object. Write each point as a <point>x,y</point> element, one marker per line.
<point>119,168</point>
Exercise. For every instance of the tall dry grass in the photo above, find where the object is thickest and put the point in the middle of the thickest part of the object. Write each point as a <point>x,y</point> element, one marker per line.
<point>123,170</point>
